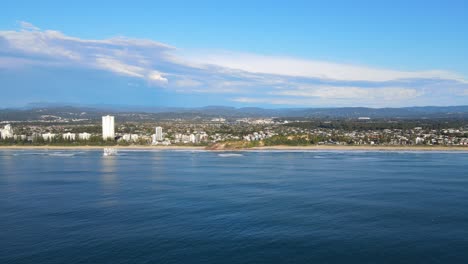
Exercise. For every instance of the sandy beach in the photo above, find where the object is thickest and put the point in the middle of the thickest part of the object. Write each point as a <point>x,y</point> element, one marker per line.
<point>278,148</point>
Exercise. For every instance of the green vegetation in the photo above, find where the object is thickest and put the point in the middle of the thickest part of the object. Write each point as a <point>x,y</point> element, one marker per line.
<point>380,124</point>
<point>288,141</point>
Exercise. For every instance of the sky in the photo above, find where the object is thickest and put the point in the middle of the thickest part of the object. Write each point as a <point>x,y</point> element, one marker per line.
<point>236,53</point>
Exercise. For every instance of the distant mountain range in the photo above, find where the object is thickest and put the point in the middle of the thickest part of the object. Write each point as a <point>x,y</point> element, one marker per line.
<point>35,111</point>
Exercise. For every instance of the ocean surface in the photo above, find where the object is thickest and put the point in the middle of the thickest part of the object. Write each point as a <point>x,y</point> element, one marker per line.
<point>242,207</point>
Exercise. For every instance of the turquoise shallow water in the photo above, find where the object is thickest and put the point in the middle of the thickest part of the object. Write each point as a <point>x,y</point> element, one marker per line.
<point>244,207</point>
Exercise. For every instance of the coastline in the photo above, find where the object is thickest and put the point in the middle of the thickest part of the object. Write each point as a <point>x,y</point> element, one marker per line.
<point>102,147</point>
<point>365,148</point>
<point>263,148</point>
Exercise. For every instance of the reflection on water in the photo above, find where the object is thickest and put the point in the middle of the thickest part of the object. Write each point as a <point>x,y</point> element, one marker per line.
<point>156,167</point>
<point>109,179</point>
<point>10,179</point>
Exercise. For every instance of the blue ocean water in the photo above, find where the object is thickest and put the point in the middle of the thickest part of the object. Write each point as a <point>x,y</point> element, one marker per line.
<point>243,207</point>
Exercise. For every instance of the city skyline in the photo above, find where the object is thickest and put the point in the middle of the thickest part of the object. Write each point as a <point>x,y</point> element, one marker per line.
<point>298,54</point>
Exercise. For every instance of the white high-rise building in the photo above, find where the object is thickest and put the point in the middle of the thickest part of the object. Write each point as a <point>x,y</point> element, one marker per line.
<point>159,134</point>
<point>108,127</point>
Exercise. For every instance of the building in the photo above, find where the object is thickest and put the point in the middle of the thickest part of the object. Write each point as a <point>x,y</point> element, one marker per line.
<point>108,127</point>
<point>84,136</point>
<point>130,137</point>
<point>419,140</point>
<point>69,136</point>
<point>192,138</point>
<point>222,120</point>
<point>135,137</point>
<point>6,132</point>
<point>48,136</point>
<point>126,137</point>
<point>159,134</point>
<point>20,137</point>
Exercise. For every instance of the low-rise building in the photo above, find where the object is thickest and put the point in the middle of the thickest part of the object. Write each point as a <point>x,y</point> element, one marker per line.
<point>6,132</point>
<point>48,136</point>
<point>69,136</point>
<point>84,136</point>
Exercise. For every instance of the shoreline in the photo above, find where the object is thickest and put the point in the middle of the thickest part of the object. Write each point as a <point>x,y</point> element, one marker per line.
<point>103,147</point>
<point>265,148</point>
<point>366,148</point>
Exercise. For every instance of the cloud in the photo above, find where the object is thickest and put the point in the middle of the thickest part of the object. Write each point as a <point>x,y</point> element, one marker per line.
<point>311,102</point>
<point>28,26</point>
<point>157,77</point>
<point>119,67</point>
<point>123,56</point>
<point>238,77</point>
<point>280,101</point>
<point>330,92</point>
<point>314,69</point>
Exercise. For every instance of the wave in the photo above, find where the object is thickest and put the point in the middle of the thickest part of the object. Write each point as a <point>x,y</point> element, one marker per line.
<point>56,154</point>
<point>230,155</point>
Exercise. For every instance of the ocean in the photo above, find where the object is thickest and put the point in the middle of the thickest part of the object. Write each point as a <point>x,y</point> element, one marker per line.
<point>233,207</point>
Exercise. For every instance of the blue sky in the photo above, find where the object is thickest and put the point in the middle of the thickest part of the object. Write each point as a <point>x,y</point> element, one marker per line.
<point>239,53</point>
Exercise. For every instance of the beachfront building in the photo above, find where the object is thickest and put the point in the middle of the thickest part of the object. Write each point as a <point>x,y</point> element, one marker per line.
<point>48,136</point>
<point>192,138</point>
<point>135,137</point>
<point>84,136</point>
<point>6,132</point>
<point>419,140</point>
<point>108,127</point>
<point>158,133</point>
<point>69,136</point>
<point>130,137</point>
<point>20,137</point>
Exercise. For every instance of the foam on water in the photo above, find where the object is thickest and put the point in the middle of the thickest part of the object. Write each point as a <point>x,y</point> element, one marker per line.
<point>61,154</point>
<point>47,153</point>
<point>224,155</point>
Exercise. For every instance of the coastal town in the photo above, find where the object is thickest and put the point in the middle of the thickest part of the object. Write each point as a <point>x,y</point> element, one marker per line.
<point>248,132</point>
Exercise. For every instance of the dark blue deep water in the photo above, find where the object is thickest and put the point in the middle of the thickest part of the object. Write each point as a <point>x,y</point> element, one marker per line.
<point>250,207</point>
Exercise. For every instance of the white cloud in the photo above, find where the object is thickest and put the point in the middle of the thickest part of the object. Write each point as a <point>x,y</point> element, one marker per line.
<point>280,101</point>
<point>314,69</point>
<point>331,92</point>
<point>157,77</point>
<point>123,56</point>
<point>28,26</point>
<point>119,67</point>
<point>313,102</point>
<point>246,78</point>
<point>39,43</point>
